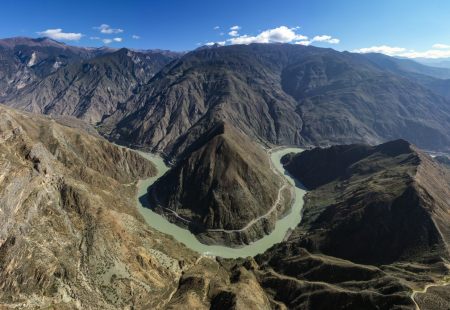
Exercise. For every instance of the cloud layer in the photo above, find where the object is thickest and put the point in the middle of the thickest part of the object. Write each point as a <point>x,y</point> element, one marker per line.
<point>106,29</point>
<point>438,50</point>
<point>281,34</point>
<point>107,40</point>
<point>58,34</point>
<point>383,49</point>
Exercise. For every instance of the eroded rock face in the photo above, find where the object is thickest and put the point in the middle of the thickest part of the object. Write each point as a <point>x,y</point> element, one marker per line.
<point>224,189</point>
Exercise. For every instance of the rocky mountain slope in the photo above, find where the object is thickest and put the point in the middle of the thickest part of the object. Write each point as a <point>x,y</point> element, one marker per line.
<point>276,93</point>
<point>224,189</point>
<point>375,228</point>
<point>359,196</point>
<point>282,94</point>
<point>70,234</point>
<point>433,78</point>
<point>91,89</point>
<point>376,220</point>
<point>25,60</point>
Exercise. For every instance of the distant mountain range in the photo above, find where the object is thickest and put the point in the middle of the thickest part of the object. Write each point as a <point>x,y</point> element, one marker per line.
<point>439,63</point>
<point>275,93</point>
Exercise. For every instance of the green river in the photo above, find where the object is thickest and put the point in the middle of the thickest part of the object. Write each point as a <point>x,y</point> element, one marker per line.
<point>184,236</point>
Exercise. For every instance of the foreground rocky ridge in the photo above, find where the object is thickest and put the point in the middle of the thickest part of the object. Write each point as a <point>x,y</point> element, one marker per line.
<point>224,189</point>
<point>71,236</point>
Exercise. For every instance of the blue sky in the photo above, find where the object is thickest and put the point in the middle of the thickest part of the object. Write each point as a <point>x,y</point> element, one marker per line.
<point>397,27</point>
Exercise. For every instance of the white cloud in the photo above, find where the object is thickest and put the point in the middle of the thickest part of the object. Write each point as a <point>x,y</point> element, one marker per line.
<point>305,42</point>
<point>437,51</point>
<point>383,49</point>
<point>58,34</point>
<point>221,43</point>
<point>441,46</point>
<point>106,29</point>
<point>107,41</point>
<point>326,39</point>
<point>136,37</point>
<point>216,27</point>
<point>433,54</point>
<point>280,34</point>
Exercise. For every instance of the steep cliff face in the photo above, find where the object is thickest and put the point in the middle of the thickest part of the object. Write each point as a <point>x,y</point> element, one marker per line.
<point>224,189</point>
<point>374,205</point>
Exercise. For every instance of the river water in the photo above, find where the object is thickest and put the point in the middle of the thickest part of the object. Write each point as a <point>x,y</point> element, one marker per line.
<point>290,221</point>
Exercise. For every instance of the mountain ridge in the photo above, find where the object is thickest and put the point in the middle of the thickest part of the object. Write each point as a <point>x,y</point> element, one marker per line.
<point>220,186</point>
<point>276,93</point>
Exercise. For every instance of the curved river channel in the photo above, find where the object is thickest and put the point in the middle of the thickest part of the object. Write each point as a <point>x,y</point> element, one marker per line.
<point>282,226</point>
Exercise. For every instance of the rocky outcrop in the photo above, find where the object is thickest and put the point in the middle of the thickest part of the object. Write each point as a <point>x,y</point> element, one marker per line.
<point>224,189</point>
